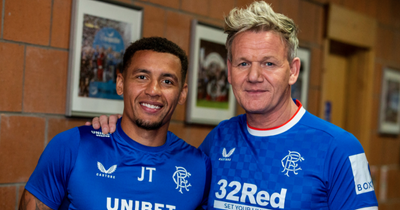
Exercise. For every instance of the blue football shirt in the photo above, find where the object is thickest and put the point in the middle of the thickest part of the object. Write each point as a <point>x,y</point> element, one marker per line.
<point>307,163</point>
<point>91,170</point>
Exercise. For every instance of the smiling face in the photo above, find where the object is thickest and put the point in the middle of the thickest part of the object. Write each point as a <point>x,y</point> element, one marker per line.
<point>152,88</point>
<point>260,73</point>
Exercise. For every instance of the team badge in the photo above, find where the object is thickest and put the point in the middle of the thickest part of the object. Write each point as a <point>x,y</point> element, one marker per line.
<point>289,163</point>
<point>179,178</point>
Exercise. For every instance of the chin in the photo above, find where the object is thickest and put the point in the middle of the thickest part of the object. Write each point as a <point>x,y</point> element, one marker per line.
<point>148,125</point>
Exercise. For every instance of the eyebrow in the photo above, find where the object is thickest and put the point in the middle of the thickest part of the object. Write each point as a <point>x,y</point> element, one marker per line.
<point>173,76</point>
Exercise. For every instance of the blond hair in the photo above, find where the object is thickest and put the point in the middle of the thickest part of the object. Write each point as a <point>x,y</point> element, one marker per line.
<point>257,17</point>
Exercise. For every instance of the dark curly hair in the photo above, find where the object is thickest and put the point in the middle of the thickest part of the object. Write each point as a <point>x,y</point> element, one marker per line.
<point>157,44</point>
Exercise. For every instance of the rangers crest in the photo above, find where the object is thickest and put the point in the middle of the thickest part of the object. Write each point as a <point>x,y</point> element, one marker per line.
<point>179,177</point>
<point>289,162</point>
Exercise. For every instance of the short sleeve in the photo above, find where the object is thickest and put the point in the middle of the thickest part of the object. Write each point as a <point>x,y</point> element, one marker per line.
<point>207,143</point>
<point>350,184</point>
<point>49,180</point>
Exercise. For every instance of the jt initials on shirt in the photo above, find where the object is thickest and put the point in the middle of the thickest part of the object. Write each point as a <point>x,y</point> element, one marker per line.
<point>150,169</point>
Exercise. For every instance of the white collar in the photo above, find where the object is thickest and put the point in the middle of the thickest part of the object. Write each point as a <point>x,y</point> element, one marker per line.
<point>280,129</point>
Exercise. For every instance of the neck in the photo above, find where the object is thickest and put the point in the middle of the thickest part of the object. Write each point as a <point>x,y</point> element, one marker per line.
<point>274,118</point>
<point>151,138</point>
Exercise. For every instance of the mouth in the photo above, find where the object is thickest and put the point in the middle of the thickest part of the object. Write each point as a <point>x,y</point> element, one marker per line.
<point>151,106</point>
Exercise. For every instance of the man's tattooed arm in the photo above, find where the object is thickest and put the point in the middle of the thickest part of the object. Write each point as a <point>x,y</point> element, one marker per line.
<point>30,202</point>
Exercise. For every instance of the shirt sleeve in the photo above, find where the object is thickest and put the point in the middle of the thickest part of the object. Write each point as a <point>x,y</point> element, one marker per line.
<point>204,202</point>
<point>49,180</point>
<point>207,143</point>
<point>349,180</point>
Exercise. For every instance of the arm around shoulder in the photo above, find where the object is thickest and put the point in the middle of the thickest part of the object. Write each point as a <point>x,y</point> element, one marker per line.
<point>29,201</point>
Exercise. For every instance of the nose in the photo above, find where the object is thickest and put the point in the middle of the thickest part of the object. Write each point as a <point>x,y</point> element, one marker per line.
<point>153,88</point>
<point>254,74</point>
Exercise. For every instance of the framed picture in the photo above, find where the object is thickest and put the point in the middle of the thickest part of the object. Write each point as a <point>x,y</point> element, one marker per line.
<point>389,119</point>
<point>100,32</point>
<point>300,88</point>
<point>210,98</point>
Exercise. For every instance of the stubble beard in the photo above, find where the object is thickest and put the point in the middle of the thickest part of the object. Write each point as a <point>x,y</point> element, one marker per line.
<point>148,125</point>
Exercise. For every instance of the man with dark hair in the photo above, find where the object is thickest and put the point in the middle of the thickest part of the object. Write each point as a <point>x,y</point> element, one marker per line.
<point>140,166</point>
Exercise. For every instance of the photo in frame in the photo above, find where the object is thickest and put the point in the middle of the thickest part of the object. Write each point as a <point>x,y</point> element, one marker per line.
<point>299,90</point>
<point>389,118</point>
<point>100,33</point>
<point>210,98</point>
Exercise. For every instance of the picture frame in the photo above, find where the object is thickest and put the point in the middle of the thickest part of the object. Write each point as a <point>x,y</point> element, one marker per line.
<point>100,32</point>
<point>389,116</point>
<point>210,98</point>
<point>299,90</point>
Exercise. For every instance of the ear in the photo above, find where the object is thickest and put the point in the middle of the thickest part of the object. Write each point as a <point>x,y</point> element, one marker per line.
<point>229,64</point>
<point>120,84</point>
<point>183,94</point>
<point>294,70</point>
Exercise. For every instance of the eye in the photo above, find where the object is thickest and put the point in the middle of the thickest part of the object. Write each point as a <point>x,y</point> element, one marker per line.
<point>141,77</point>
<point>168,82</point>
<point>243,64</point>
<point>269,64</point>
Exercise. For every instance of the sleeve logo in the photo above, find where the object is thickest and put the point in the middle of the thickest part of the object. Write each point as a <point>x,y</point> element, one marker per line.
<point>362,177</point>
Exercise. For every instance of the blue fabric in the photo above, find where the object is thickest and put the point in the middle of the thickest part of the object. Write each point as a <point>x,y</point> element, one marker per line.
<point>97,171</point>
<point>305,167</point>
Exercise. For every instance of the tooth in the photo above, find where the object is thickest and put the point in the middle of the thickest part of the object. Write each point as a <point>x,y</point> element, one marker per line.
<point>151,106</point>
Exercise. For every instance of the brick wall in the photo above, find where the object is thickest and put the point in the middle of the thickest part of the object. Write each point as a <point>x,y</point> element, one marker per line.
<point>34,42</point>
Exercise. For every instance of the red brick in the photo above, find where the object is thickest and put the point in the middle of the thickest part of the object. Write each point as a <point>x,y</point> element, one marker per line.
<point>154,19</point>
<point>1,15</point>
<point>195,6</point>
<point>58,125</point>
<point>27,21</point>
<point>21,143</point>
<point>12,64</point>
<point>20,192</point>
<point>170,3</point>
<point>178,29</point>
<point>243,3</point>
<point>45,80</point>
<point>220,8</point>
<point>275,4</point>
<point>7,197</point>
<point>60,27</point>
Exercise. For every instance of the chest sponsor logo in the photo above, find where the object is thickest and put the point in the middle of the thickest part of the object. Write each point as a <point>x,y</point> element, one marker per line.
<point>247,197</point>
<point>180,177</point>
<point>100,134</point>
<point>106,173</point>
<point>124,204</point>
<point>290,163</point>
<point>226,156</point>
